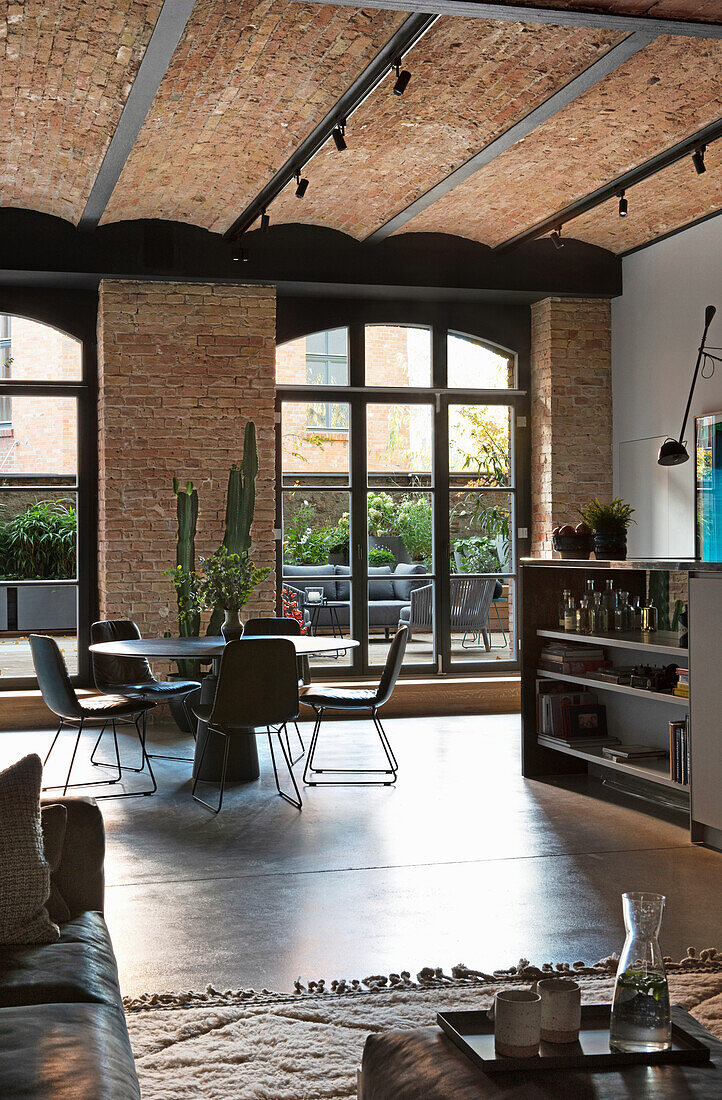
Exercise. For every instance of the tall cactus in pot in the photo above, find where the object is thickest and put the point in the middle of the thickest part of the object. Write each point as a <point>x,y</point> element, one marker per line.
<point>189,622</point>
<point>240,507</point>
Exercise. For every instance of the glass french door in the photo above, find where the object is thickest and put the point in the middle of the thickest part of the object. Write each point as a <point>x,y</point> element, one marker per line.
<point>398,496</point>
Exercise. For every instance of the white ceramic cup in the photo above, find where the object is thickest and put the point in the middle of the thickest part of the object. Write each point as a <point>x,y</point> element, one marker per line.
<point>561,1009</point>
<point>517,1023</point>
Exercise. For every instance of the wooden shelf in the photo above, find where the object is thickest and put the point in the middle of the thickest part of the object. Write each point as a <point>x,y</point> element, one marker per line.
<point>656,771</point>
<point>623,689</point>
<point>665,641</point>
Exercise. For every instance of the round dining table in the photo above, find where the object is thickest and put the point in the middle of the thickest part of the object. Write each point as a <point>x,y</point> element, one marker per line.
<point>243,756</point>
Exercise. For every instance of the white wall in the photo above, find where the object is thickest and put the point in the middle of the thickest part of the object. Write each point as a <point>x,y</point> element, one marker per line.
<point>656,328</point>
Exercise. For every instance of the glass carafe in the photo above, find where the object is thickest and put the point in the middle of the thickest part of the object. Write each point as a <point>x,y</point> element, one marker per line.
<point>641,1019</point>
<point>609,602</point>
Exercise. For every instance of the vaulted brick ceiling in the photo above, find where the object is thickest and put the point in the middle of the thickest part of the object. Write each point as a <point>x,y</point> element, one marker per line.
<point>247,83</point>
<point>66,68</point>
<point>666,92</point>
<point>472,80</point>
<point>250,79</point>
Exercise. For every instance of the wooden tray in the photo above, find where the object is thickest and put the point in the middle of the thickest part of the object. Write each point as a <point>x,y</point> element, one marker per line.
<point>473,1033</point>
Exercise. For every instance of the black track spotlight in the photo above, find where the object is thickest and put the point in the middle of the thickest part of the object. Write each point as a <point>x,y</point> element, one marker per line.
<point>556,238</point>
<point>402,78</point>
<point>239,254</point>
<point>338,136</point>
<point>301,186</point>
<point>698,160</point>
<point>265,222</point>
<point>623,205</point>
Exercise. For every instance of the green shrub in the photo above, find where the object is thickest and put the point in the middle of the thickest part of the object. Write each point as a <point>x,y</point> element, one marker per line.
<point>381,555</point>
<point>478,555</point>
<point>39,543</point>
<point>416,528</point>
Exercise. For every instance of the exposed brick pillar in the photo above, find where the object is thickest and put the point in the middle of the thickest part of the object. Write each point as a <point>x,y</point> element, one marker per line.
<point>182,367</point>
<point>571,411</point>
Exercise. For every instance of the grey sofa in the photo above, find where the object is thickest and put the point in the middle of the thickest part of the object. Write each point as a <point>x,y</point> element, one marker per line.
<point>62,1027</point>
<point>389,591</point>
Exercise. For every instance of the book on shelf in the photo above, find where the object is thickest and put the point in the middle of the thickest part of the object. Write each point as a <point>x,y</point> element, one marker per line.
<point>552,700</point>
<point>634,752</point>
<point>679,751</point>
<point>580,742</point>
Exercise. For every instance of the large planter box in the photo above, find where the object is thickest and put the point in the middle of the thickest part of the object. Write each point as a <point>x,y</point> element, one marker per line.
<point>47,607</point>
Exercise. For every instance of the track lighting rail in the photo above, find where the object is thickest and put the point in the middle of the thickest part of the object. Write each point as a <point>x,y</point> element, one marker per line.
<point>384,63</point>
<point>649,168</point>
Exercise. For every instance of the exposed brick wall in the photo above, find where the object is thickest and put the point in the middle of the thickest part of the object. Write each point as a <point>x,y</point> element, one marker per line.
<point>247,82</point>
<point>65,72</point>
<point>471,80</point>
<point>182,367</point>
<point>663,94</point>
<point>571,411</point>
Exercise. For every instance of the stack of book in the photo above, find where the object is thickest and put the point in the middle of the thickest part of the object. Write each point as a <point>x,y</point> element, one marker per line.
<point>571,658</point>
<point>682,686</point>
<point>569,717</point>
<point>630,753</point>
<point>679,751</point>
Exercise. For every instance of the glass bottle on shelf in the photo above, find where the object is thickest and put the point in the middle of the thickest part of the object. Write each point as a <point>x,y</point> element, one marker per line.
<point>590,593</point>
<point>563,608</point>
<point>628,613</point>
<point>609,602</point>
<point>570,614</point>
<point>620,612</point>
<point>584,617</point>
<point>600,617</point>
<point>641,1020</point>
<point>637,624</point>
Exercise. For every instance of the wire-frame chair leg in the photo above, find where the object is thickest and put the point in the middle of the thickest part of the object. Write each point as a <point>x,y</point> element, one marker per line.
<point>295,759</point>
<point>297,803</point>
<point>220,733</point>
<point>67,785</point>
<point>310,771</point>
<point>140,728</point>
<point>192,722</point>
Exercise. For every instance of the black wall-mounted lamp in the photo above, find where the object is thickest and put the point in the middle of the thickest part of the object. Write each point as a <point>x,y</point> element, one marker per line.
<point>673,451</point>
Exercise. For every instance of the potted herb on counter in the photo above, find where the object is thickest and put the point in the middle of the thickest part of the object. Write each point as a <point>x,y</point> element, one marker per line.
<point>610,523</point>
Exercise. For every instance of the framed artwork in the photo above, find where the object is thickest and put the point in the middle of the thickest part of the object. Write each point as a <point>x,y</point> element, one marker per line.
<point>708,487</point>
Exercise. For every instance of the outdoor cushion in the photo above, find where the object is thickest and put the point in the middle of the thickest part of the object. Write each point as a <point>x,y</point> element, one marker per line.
<point>381,589</point>
<point>308,574</point>
<point>343,588</point>
<point>404,588</point>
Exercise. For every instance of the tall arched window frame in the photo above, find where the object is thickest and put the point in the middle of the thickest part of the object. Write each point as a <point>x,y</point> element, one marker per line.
<point>399,494</point>
<point>48,464</point>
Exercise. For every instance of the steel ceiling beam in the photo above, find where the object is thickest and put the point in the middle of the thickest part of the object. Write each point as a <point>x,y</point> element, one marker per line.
<point>706,136</point>
<point>409,33</point>
<point>511,13</point>
<point>560,99</point>
<point>171,23</point>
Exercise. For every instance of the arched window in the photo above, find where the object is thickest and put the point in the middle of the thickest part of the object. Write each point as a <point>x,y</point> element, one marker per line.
<point>397,493</point>
<point>41,372</point>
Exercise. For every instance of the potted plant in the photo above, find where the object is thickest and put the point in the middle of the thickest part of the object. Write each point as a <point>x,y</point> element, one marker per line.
<point>227,582</point>
<point>383,526</point>
<point>609,522</point>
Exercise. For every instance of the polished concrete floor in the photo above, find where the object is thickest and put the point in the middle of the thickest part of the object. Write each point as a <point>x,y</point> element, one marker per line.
<point>463,861</point>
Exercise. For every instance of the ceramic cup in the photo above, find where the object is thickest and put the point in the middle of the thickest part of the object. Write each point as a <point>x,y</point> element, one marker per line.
<point>561,1009</point>
<point>517,1023</point>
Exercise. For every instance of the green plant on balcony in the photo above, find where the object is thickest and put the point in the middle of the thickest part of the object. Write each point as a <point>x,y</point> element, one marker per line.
<point>477,554</point>
<point>414,523</point>
<point>40,543</point>
<point>381,555</point>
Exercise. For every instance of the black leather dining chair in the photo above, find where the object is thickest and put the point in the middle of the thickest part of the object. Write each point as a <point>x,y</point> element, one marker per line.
<point>323,698</point>
<point>270,626</point>
<point>132,678</point>
<point>257,688</point>
<point>60,697</point>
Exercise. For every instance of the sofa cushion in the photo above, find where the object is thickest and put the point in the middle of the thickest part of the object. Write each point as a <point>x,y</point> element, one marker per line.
<point>79,968</point>
<point>385,612</point>
<point>54,821</point>
<point>381,589</point>
<point>306,576</point>
<point>73,1051</point>
<point>402,587</point>
<point>343,588</point>
<point>24,871</point>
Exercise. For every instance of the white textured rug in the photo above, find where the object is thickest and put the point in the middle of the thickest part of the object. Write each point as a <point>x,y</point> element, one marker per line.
<point>245,1045</point>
